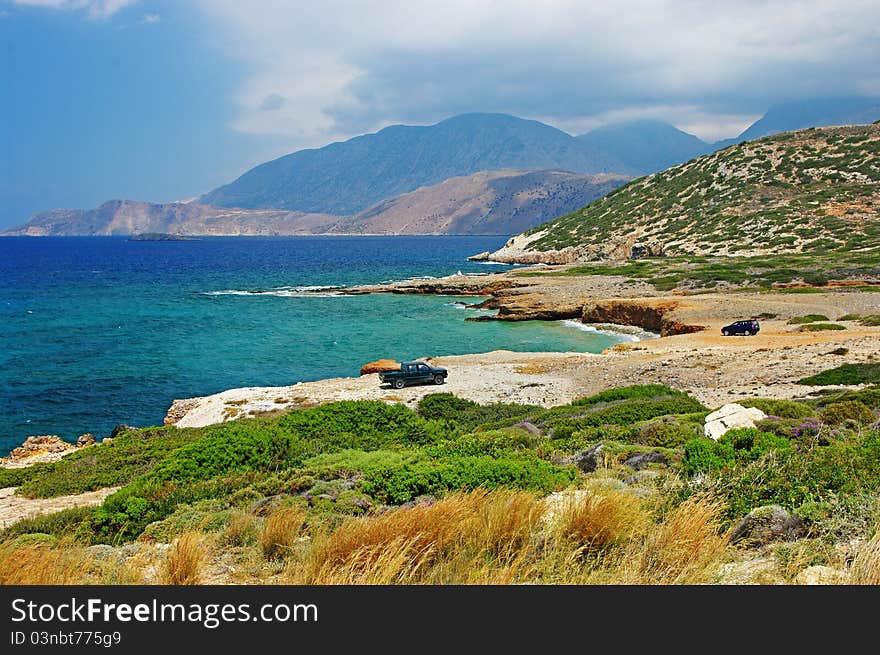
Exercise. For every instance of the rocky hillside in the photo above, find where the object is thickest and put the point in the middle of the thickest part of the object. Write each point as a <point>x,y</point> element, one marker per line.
<point>814,190</point>
<point>492,202</point>
<point>347,177</point>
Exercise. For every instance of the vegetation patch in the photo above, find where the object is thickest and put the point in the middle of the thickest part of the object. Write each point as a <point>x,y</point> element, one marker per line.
<point>846,374</point>
<point>820,327</point>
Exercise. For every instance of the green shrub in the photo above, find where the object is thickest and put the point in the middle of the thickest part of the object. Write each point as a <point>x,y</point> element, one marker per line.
<point>633,411</point>
<point>809,474</point>
<point>467,414</point>
<point>366,424</point>
<point>809,318</point>
<point>846,374</point>
<point>400,484</point>
<point>75,521</point>
<point>628,393</point>
<point>496,443</point>
<point>848,411</point>
<point>870,396</point>
<point>739,445</point>
<point>666,432</point>
<point>128,456</point>
<point>820,327</point>
<point>779,407</point>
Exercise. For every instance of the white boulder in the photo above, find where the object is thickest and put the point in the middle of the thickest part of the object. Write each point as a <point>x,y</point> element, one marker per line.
<point>731,416</point>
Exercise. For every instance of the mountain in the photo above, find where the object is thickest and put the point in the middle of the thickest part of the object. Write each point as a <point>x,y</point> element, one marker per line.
<point>646,146</point>
<point>811,191</point>
<point>124,217</point>
<point>347,177</point>
<point>490,202</point>
<point>813,113</point>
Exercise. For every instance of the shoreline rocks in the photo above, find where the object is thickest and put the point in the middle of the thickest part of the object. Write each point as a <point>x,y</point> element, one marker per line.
<point>37,449</point>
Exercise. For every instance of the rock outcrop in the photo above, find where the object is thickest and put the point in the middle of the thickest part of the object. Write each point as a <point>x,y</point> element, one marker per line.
<point>37,449</point>
<point>731,416</point>
<point>766,524</point>
<point>648,314</point>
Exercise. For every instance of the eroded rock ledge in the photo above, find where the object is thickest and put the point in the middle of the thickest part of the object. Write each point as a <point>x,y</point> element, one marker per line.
<point>652,315</point>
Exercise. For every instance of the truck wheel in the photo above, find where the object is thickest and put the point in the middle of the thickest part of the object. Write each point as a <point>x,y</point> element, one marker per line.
<point>438,379</point>
<point>725,333</point>
<point>398,384</point>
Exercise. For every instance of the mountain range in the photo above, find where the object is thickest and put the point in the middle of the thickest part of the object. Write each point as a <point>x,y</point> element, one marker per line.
<point>362,185</point>
<point>491,202</point>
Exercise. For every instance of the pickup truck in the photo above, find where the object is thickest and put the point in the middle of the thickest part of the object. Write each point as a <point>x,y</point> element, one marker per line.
<point>414,373</point>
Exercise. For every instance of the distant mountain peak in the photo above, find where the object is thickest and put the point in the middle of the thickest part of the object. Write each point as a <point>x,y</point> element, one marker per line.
<point>347,177</point>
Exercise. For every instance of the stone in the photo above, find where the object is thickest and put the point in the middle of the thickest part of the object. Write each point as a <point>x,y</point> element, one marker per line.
<point>641,460</point>
<point>265,506</point>
<point>119,429</point>
<point>380,365</point>
<point>767,524</point>
<point>531,428</point>
<point>588,460</point>
<point>731,416</point>
<point>87,439</point>
<point>820,575</point>
<point>39,448</point>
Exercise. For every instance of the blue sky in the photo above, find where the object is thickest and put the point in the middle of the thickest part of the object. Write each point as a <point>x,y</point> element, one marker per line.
<point>164,100</point>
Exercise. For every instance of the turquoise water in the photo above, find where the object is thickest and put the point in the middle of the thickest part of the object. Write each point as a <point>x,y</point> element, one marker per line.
<point>100,331</point>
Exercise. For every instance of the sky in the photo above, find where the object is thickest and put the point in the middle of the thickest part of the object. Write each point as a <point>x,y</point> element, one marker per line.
<point>163,100</point>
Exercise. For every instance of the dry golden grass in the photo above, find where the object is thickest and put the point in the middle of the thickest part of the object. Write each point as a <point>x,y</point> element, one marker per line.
<point>598,517</point>
<point>241,531</point>
<point>61,565</point>
<point>865,568</point>
<point>186,560</point>
<point>687,547</point>
<point>281,531</point>
<point>447,541</point>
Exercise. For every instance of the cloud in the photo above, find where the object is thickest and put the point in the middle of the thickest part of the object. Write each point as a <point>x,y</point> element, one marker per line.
<point>96,9</point>
<point>273,102</point>
<point>345,67</point>
<point>150,18</point>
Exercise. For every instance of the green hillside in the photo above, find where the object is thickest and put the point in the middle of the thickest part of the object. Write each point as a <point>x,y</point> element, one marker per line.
<point>810,191</point>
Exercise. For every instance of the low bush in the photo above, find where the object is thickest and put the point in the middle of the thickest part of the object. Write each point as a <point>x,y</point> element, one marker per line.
<point>809,318</point>
<point>807,474</point>
<point>779,407</point>
<point>848,411</point>
<point>739,445</point>
<point>467,414</point>
<point>74,522</point>
<point>820,327</point>
<point>128,456</point>
<point>868,373</point>
<point>398,485</point>
<point>628,393</point>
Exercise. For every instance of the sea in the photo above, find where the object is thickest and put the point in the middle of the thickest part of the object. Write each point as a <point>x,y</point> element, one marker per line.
<point>96,331</point>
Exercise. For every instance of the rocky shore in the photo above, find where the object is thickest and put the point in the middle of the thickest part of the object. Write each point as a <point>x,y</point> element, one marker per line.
<point>690,354</point>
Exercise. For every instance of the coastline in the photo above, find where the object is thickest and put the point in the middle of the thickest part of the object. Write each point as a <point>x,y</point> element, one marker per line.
<point>690,354</point>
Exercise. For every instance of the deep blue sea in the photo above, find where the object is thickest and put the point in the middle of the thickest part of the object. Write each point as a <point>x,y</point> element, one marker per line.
<point>100,331</point>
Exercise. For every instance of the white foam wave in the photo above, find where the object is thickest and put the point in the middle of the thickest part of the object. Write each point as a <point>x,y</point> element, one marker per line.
<point>623,332</point>
<point>309,291</point>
